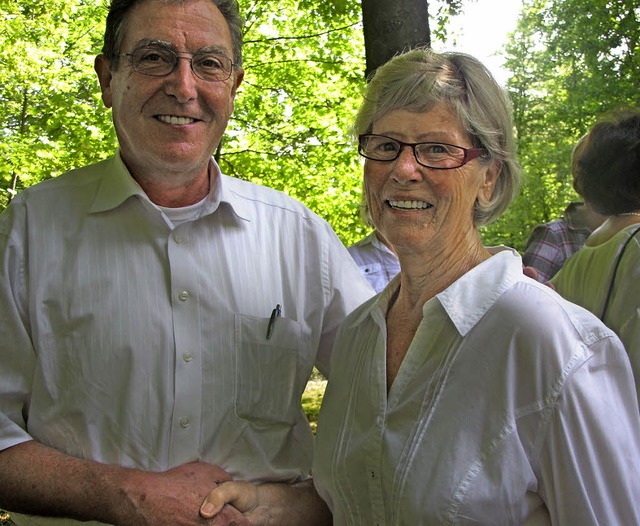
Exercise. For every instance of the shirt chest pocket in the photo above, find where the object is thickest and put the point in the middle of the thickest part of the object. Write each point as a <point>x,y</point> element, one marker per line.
<point>270,373</point>
<point>371,269</point>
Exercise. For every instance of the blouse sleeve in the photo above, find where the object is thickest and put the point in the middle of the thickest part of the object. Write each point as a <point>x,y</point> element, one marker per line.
<point>582,479</point>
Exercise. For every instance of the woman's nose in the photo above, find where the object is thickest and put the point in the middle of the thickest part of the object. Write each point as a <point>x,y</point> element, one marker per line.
<point>406,167</point>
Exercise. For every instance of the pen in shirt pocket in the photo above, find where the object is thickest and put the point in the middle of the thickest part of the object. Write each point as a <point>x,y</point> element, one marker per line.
<point>275,313</point>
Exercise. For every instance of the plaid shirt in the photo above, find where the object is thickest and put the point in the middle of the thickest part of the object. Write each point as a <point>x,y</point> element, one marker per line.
<point>550,244</point>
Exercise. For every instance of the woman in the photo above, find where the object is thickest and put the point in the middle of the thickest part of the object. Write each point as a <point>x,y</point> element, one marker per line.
<point>604,276</point>
<point>465,392</point>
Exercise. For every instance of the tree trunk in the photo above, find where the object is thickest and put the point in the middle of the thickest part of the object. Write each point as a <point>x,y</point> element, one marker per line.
<point>393,26</point>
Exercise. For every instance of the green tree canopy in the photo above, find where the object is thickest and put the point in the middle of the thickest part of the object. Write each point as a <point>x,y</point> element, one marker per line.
<point>304,68</point>
<point>571,61</point>
<point>49,101</point>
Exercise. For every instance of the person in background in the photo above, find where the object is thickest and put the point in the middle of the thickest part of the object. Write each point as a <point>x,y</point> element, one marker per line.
<point>465,392</point>
<point>376,260</point>
<point>550,244</point>
<point>160,320</point>
<point>373,255</point>
<point>604,276</point>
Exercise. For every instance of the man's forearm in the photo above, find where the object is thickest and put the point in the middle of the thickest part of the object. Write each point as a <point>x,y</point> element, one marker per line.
<point>38,480</point>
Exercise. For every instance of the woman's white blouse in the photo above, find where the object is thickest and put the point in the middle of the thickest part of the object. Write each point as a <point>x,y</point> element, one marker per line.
<point>511,407</point>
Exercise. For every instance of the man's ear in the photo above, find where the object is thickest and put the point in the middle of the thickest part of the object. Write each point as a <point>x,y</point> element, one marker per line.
<point>239,76</point>
<point>102,67</point>
<point>236,78</point>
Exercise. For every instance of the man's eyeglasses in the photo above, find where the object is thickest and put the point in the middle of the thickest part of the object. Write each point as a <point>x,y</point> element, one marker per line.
<point>160,62</point>
<point>436,155</point>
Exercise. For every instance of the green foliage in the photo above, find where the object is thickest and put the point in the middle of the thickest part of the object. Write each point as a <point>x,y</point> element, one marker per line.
<point>571,61</point>
<point>304,65</point>
<point>5,519</point>
<point>49,104</point>
<point>312,398</point>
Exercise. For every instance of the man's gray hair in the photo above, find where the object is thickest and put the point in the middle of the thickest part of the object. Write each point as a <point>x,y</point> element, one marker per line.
<point>119,14</point>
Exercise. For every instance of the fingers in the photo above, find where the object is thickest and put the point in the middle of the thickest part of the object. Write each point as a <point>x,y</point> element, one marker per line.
<point>530,272</point>
<point>242,495</point>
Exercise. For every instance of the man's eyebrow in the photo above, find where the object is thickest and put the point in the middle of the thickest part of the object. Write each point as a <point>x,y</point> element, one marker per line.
<point>151,42</point>
<point>216,50</point>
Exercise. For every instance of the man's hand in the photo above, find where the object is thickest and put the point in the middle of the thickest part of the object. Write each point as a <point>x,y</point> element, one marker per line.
<point>270,504</point>
<point>174,497</point>
<point>39,480</point>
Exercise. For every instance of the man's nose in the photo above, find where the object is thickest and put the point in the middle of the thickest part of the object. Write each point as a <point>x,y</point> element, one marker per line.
<point>181,82</point>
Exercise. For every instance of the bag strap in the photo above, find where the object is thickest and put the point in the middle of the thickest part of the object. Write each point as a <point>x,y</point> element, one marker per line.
<point>615,271</point>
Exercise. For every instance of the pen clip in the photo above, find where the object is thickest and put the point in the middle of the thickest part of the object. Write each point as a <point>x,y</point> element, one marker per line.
<point>275,313</point>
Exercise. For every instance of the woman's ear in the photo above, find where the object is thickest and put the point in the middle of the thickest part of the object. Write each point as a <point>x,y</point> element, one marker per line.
<point>491,174</point>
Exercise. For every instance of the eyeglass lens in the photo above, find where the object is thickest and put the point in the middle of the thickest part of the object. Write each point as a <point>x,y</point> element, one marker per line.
<point>159,62</point>
<point>430,154</point>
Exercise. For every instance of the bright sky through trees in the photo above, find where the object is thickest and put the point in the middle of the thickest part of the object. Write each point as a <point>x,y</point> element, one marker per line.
<point>481,30</point>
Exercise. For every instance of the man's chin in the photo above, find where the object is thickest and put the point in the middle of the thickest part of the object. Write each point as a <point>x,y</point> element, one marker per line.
<point>170,159</point>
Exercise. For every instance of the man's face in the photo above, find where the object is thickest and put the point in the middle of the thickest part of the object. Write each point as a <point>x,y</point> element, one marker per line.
<point>170,124</point>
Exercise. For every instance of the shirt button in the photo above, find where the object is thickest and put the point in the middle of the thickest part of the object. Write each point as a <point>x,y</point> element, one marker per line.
<point>179,239</point>
<point>184,295</point>
<point>187,357</point>
<point>184,422</point>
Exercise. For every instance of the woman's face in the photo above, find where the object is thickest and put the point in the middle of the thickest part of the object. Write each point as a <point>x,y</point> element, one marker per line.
<point>421,209</point>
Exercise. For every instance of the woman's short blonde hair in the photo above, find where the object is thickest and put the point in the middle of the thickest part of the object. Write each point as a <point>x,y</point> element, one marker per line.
<point>421,78</point>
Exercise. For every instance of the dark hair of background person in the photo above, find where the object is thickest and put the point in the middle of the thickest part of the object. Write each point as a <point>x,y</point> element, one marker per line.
<point>608,167</point>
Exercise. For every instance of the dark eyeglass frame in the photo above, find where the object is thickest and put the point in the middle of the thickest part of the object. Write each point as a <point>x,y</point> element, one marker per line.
<point>469,154</point>
<point>177,56</point>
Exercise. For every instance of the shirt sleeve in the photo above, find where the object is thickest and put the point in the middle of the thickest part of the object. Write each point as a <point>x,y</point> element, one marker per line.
<point>346,289</point>
<point>17,354</point>
<point>630,334</point>
<point>582,479</point>
<point>543,252</point>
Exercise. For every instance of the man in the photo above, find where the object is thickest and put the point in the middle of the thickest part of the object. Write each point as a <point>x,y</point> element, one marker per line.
<point>376,259</point>
<point>159,319</point>
<point>551,244</point>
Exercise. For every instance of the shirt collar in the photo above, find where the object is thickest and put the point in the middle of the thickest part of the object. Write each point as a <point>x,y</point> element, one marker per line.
<point>468,299</point>
<point>372,239</point>
<point>574,217</point>
<point>117,185</point>
<point>228,190</point>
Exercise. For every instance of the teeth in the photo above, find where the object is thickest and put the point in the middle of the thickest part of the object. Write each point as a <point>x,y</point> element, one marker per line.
<point>171,119</point>
<point>410,205</point>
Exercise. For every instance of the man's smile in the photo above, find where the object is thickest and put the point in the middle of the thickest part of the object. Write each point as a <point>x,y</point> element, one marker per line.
<point>173,119</point>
